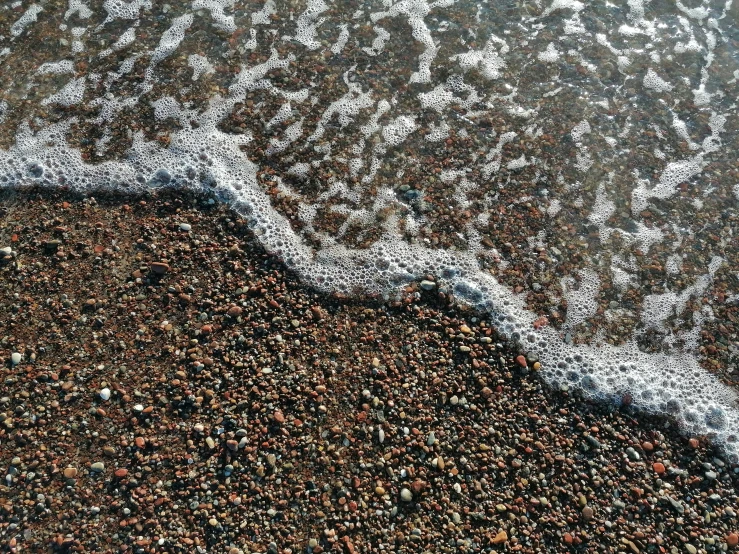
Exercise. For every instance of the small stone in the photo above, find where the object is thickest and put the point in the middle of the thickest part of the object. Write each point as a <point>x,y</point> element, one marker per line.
<point>406,495</point>
<point>732,539</point>
<point>464,329</point>
<point>312,543</point>
<point>279,417</point>
<point>647,446</point>
<point>379,490</point>
<point>440,463</point>
<point>431,440</point>
<point>98,467</point>
<point>658,468</point>
<point>210,442</point>
<point>213,522</point>
<point>70,472</point>
<point>694,443</point>
<point>121,472</point>
<point>105,394</point>
<point>235,311</point>
<point>501,537</point>
<point>185,227</point>
<point>160,268</point>
<point>428,285</point>
<point>521,360</point>
<point>587,513</point>
<point>711,475</point>
<point>690,549</point>
<point>15,358</point>
<point>454,400</point>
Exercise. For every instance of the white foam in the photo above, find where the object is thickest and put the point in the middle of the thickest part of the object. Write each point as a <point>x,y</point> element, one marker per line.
<point>29,17</point>
<point>382,138</point>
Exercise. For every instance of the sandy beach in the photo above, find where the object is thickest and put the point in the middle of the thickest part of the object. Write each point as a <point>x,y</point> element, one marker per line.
<point>169,387</point>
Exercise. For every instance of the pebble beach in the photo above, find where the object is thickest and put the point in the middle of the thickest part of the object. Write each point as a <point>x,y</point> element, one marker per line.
<point>167,386</point>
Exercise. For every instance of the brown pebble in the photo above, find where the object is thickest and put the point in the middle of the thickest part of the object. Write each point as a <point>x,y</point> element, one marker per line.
<point>647,446</point>
<point>70,472</point>
<point>160,268</point>
<point>500,538</point>
<point>279,417</point>
<point>521,359</point>
<point>732,539</point>
<point>121,472</point>
<point>658,468</point>
<point>587,513</point>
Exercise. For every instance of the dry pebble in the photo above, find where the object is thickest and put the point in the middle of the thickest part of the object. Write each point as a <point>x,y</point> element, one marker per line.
<point>362,428</point>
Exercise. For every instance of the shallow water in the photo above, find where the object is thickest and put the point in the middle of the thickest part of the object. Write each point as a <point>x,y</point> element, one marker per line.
<point>568,167</point>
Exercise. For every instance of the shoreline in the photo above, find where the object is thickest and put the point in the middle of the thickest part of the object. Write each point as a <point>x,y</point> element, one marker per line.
<point>237,418</point>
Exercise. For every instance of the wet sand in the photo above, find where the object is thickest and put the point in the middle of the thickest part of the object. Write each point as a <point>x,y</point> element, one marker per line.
<point>169,387</point>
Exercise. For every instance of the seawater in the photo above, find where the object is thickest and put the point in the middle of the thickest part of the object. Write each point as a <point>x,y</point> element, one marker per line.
<point>567,167</point>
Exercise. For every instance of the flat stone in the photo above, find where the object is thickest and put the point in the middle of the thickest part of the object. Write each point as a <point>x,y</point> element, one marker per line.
<point>500,538</point>
<point>428,285</point>
<point>160,268</point>
<point>121,472</point>
<point>70,472</point>
<point>97,467</point>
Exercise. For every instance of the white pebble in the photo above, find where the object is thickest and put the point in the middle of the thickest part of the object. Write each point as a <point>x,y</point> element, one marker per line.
<point>406,495</point>
<point>15,358</point>
<point>185,226</point>
<point>105,393</point>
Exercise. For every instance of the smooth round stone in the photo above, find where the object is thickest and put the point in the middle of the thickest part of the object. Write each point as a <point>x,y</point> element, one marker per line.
<point>15,358</point>
<point>98,467</point>
<point>70,472</point>
<point>6,251</point>
<point>406,495</point>
<point>105,394</point>
<point>185,227</point>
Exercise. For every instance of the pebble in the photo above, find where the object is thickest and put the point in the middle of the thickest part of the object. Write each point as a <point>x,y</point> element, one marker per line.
<point>97,467</point>
<point>121,472</point>
<point>185,227</point>
<point>501,537</point>
<point>428,285</point>
<point>732,539</point>
<point>15,358</point>
<point>160,268</point>
<point>690,549</point>
<point>658,467</point>
<point>105,394</point>
<point>406,495</point>
<point>70,472</point>
<point>587,513</point>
